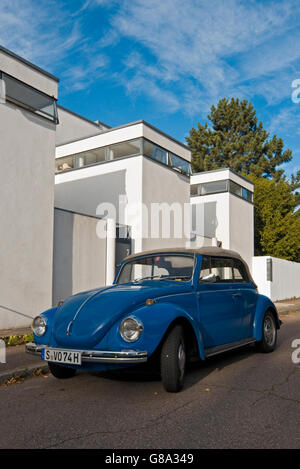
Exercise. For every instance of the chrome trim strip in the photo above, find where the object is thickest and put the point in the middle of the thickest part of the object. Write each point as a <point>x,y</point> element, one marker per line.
<point>100,356</point>
<point>209,352</point>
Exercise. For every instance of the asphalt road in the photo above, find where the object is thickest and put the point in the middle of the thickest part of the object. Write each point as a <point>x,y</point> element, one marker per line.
<point>239,400</point>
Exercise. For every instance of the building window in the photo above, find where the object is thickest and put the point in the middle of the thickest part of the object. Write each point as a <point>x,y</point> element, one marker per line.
<point>139,146</point>
<point>247,195</point>
<point>64,164</point>
<point>120,150</point>
<point>179,164</point>
<point>235,188</point>
<point>155,152</point>
<point>213,187</point>
<point>217,187</point>
<point>98,155</point>
<point>29,98</point>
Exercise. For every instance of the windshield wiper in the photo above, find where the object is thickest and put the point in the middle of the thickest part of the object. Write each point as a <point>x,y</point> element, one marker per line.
<point>146,278</point>
<point>161,277</point>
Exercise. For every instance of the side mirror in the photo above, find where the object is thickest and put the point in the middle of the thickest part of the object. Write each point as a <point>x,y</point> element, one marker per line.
<point>211,278</point>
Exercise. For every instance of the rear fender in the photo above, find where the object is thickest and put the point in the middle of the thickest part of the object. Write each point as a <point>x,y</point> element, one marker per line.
<point>263,305</point>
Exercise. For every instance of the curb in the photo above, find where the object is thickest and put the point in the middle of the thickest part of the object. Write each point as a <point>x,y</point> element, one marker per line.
<point>24,372</point>
<point>289,311</point>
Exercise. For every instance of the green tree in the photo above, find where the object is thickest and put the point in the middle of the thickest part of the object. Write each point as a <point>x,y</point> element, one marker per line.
<point>295,184</point>
<point>277,224</point>
<point>236,139</point>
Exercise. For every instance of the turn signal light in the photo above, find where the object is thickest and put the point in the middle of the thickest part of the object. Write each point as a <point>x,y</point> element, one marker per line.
<point>150,302</point>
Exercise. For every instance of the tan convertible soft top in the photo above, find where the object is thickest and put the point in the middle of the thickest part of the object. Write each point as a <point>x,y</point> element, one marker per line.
<point>205,251</point>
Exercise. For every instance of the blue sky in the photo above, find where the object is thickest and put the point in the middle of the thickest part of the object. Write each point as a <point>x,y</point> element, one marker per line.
<point>164,61</point>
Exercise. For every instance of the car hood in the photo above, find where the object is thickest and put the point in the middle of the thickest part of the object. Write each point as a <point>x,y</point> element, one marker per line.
<point>83,319</point>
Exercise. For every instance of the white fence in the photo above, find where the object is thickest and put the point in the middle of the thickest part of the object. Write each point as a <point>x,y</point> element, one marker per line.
<point>276,278</point>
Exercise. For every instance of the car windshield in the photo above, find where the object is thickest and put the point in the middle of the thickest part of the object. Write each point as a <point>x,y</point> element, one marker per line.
<point>158,267</point>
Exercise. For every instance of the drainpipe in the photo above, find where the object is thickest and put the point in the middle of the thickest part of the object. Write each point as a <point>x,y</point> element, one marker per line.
<point>110,250</point>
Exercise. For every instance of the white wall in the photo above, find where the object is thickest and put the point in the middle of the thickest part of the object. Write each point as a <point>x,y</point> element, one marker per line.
<point>163,185</point>
<point>241,228</point>
<point>73,127</point>
<point>122,134</point>
<point>79,256</point>
<point>84,189</point>
<point>221,222</point>
<point>286,278</point>
<point>233,217</point>
<point>25,72</point>
<point>27,152</point>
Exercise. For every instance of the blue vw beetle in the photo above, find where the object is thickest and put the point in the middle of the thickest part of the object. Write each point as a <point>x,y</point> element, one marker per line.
<point>172,305</point>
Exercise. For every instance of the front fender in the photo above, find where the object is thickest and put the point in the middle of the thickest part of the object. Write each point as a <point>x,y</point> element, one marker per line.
<point>263,304</point>
<point>156,320</point>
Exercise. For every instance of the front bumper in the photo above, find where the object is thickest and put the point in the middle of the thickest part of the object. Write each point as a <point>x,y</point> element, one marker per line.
<point>97,356</point>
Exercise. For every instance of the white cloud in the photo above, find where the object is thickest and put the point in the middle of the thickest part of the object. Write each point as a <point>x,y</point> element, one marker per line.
<point>48,34</point>
<point>212,48</point>
<point>36,29</point>
<point>184,55</point>
<point>286,121</point>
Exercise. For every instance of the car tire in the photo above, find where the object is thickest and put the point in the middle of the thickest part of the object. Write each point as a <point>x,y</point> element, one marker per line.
<point>173,360</point>
<point>269,334</point>
<point>61,372</point>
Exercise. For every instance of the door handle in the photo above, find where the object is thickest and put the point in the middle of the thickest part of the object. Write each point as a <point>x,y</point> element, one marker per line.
<point>235,295</point>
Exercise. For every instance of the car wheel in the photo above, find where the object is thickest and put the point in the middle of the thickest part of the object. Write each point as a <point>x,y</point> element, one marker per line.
<point>61,372</point>
<point>173,360</point>
<point>269,334</point>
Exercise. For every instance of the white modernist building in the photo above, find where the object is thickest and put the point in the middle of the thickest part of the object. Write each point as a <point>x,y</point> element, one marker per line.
<point>68,184</point>
<point>224,201</point>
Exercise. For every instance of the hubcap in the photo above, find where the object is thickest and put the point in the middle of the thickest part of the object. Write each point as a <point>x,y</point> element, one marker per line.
<point>181,360</point>
<point>269,330</point>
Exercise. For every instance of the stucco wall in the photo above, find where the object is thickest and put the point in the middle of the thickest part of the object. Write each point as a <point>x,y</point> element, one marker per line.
<point>241,227</point>
<point>79,257</point>
<point>72,127</point>
<point>162,185</point>
<point>232,218</point>
<point>285,282</point>
<point>26,212</point>
<point>27,74</point>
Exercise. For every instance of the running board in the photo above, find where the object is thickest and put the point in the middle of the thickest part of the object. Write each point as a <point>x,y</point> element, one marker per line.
<point>209,352</point>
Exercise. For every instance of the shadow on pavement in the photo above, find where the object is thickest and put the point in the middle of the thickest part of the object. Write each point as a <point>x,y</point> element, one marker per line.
<point>195,373</point>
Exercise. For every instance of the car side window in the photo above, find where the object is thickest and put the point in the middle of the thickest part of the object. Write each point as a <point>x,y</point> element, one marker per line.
<point>205,269</point>
<point>222,268</point>
<point>239,271</point>
<point>216,270</point>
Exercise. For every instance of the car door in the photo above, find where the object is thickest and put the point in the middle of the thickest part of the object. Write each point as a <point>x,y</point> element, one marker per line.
<point>220,316</point>
<point>245,297</point>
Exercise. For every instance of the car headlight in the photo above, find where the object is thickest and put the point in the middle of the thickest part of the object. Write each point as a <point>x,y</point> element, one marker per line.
<point>131,329</point>
<point>39,326</point>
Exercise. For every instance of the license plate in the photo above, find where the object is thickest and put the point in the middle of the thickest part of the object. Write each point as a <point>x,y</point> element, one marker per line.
<point>70,357</point>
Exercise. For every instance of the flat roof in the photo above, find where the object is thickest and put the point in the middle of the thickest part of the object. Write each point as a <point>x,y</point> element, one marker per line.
<point>224,169</point>
<point>151,127</point>
<point>83,118</point>
<point>29,64</point>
